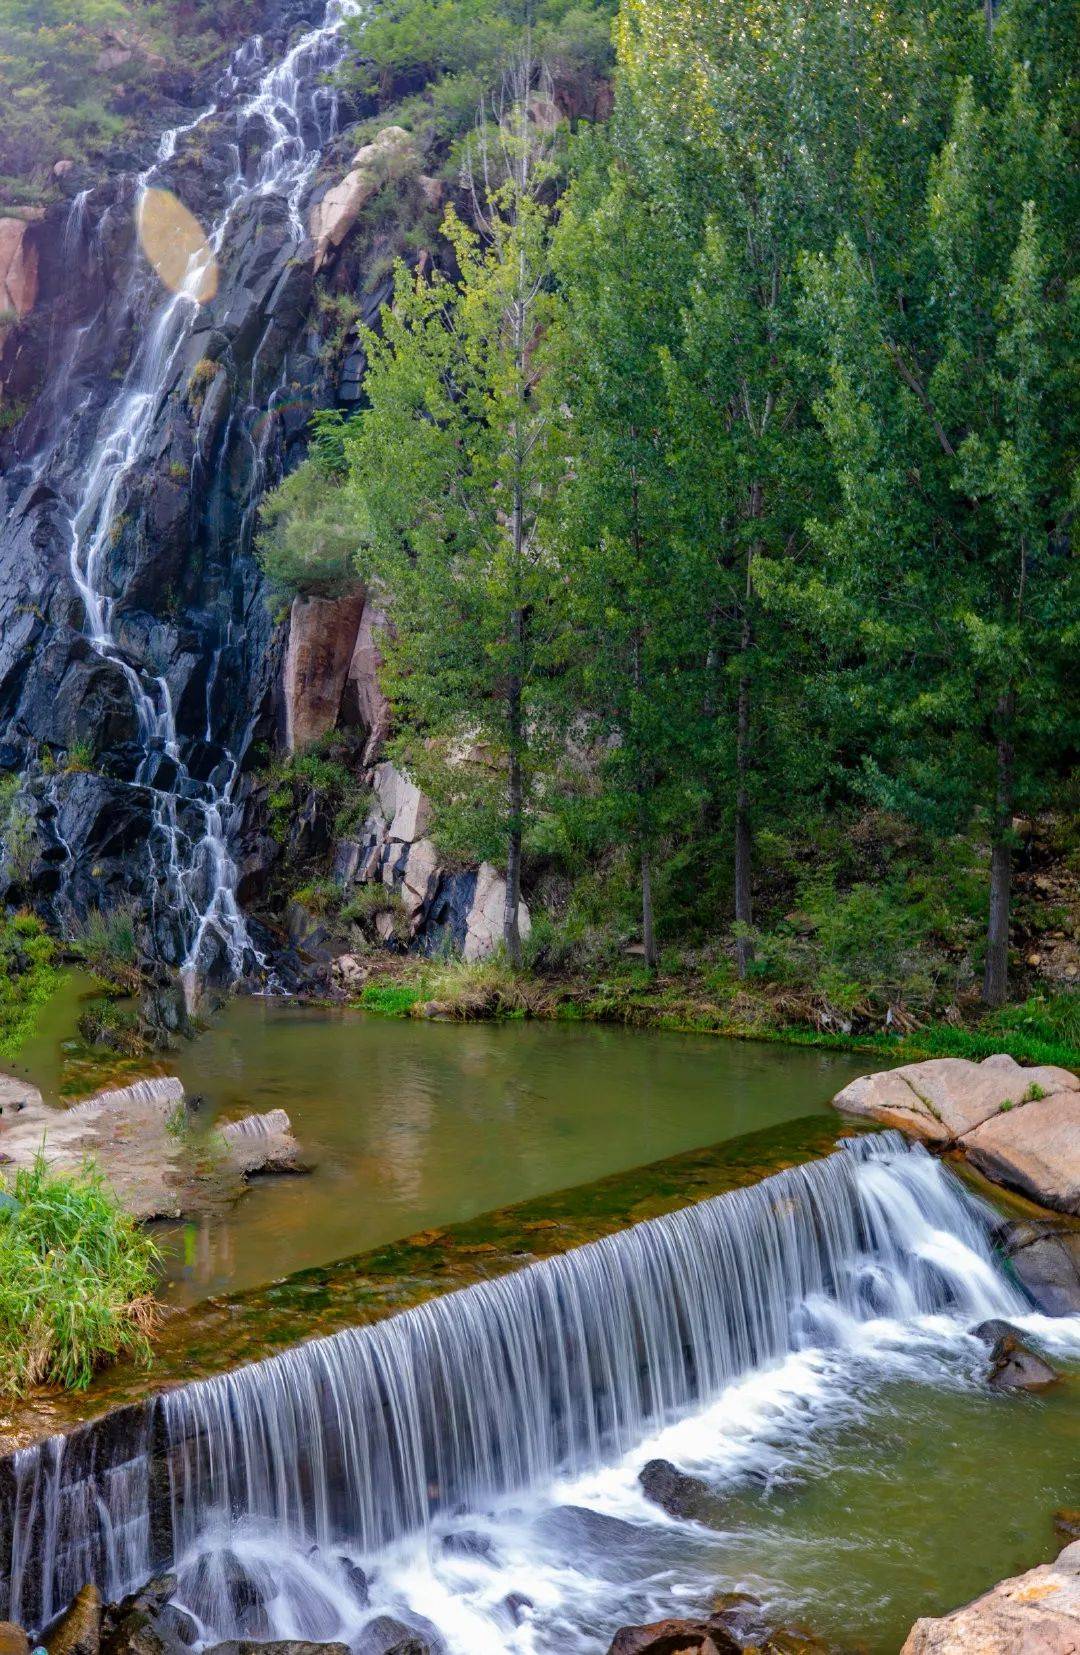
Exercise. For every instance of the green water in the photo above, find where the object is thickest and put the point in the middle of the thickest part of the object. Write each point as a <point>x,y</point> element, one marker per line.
<point>415,1124</point>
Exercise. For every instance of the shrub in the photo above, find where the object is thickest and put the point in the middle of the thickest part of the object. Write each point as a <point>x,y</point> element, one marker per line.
<point>108,943</point>
<point>108,1025</point>
<point>76,1280</point>
<point>16,831</point>
<point>80,757</point>
<point>28,976</point>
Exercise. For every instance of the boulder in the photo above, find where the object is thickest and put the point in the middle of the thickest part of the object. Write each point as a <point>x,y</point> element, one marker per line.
<point>322,639</point>
<point>1034,1148</point>
<point>364,703</point>
<point>484,922</point>
<point>1037,1613</point>
<point>1045,1258</point>
<point>946,1098</point>
<point>386,1636</point>
<point>78,1631</point>
<point>1014,1366</point>
<point>283,1646</point>
<point>675,1637</point>
<point>331,219</point>
<point>13,1640</point>
<point>677,1493</point>
<point>18,267</point>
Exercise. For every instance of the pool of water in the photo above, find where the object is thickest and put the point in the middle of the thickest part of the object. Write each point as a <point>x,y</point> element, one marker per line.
<point>411,1124</point>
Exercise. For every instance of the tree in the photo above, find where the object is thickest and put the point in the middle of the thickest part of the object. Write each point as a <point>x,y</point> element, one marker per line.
<point>950,417</point>
<point>628,579</point>
<point>452,467</point>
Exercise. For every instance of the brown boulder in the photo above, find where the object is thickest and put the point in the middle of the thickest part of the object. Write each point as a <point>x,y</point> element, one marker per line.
<point>675,1637</point>
<point>1037,1613</point>
<point>322,638</point>
<point>945,1098</point>
<point>78,1631</point>
<point>13,1640</point>
<point>18,267</point>
<point>1034,1149</point>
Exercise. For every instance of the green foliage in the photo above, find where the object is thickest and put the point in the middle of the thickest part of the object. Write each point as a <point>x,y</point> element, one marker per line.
<point>28,977</point>
<point>325,772</point>
<point>433,63</point>
<point>76,1281</point>
<point>371,901</point>
<point>72,70</point>
<point>17,837</point>
<point>79,757</point>
<point>108,943</point>
<point>109,1026</point>
<point>311,526</point>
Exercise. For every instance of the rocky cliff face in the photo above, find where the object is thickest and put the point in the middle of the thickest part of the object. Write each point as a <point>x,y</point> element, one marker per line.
<point>138,655</point>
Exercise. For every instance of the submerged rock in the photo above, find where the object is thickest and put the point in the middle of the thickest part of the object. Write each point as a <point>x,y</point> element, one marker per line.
<point>678,1493</point>
<point>386,1636</point>
<point>1014,1366</point>
<point>675,1637</point>
<point>1067,1522</point>
<point>1037,1612</point>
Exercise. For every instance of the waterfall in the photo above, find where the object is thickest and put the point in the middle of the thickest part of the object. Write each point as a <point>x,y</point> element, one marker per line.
<point>195,874</point>
<point>358,1439</point>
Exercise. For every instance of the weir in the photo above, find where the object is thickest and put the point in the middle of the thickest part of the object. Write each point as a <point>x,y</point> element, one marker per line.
<point>364,1436</point>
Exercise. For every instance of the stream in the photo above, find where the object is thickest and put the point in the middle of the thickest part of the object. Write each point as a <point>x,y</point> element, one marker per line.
<point>469,1468</point>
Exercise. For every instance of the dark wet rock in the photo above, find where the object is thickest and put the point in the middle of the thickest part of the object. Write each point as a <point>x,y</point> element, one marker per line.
<point>1045,1257</point>
<point>1067,1522</point>
<point>677,1493</point>
<point>675,1637</point>
<point>468,1543</point>
<point>137,1625</point>
<point>1014,1366</point>
<point>516,1606</point>
<point>356,1580</point>
<point>386,1636</point>
<point>574,1526</point>
<point>283,1646</point>
<point>78,1630</point>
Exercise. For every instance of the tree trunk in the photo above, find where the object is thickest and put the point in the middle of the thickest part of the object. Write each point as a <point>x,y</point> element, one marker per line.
<point>996,976</point>
<point>648,928</point>
<point>515,799</point>
<point>744,912</point>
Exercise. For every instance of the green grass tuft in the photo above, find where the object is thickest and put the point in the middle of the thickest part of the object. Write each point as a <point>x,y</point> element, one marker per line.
<point>76,1280</point>
<point>389,999</point>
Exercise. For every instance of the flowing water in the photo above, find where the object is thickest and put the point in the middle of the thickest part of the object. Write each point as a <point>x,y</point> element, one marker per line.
<point>472,1462</point>
<point>293,107</point>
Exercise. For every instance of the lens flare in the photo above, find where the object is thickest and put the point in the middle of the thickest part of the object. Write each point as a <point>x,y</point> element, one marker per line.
<point>176,245</point>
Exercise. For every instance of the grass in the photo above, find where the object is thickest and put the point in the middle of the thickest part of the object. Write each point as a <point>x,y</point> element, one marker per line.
<point>1038,1031</point>
<point>76,1281</point>
<point>108,944</point>
<point>28,978</point>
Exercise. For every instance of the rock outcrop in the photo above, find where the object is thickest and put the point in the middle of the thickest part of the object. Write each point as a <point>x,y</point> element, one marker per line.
<point>331,219</point>
<point>318,658</point>
<point>1018,1126</point>
<point>1045,1256</point>
<point>1037,1613</point>
<point>144,1140</point>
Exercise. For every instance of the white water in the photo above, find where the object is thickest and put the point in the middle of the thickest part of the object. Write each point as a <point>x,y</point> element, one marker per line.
<point>727,1337</point>
<point>196,871</point>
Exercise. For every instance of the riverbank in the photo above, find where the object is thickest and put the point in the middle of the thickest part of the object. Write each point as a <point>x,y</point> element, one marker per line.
<point>1043,1029</point>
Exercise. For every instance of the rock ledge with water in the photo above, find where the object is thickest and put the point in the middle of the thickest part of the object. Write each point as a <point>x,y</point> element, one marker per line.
<point>1037,1612</point>
<point>1019,1127</point>
<point>145,1140</point>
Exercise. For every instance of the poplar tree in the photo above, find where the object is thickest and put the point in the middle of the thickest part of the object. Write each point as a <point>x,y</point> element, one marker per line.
<point>453,463</point>
<point>951,416</point>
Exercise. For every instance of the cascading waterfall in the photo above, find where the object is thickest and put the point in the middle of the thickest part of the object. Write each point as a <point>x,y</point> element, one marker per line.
<point>356,1440</point>
<point>297,110</point>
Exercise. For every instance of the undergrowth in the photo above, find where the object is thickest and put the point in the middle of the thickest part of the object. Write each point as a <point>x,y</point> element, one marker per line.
<point>76,1280</point>
<point>28,977</point>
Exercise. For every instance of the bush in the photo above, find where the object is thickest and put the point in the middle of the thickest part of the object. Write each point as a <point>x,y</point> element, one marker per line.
<point>108,943</point>
<point>365,906</point>
<point>76,1281</point>
<point>28,976</point>
<point>116,1030</point>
